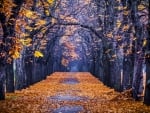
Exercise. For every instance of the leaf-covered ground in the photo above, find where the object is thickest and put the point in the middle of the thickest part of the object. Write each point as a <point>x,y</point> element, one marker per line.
<point>70,93</point>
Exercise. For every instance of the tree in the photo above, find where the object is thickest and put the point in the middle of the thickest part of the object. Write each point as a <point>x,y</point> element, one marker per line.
<point>124,46</point>
<point>11,44</point>
<point>7,21</point>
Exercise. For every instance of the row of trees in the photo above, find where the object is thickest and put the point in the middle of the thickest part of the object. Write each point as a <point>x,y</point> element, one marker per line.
<point>108,38</point>
<point>125,57</point>
<point>22,41</point>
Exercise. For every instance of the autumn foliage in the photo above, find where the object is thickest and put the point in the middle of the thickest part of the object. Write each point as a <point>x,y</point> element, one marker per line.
<point>24,32</point>
<point>108,38</point>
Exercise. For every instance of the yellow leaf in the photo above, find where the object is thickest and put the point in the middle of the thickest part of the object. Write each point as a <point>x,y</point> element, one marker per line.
<point>50,1</point>
<point>43,30</point>
<point>118,23</point>
<point>26,42</point>
<point>114,56</point>
<point>126,12</point>
<point>119,8</point>
<point>134,38</point>
<point>22,35</point>
<point>125,27</point>
<point>144,42</point>
<point>125,7</point>
<point>15,54</point>
<point>38,3</point>
<point>29,28</point>
<point>28,13</point>
<point>47,12</point>
<point>141,7</point>
<point>53,20</point>
<point>118,1</point>
<point>40,22</point>
<point>38,54</point>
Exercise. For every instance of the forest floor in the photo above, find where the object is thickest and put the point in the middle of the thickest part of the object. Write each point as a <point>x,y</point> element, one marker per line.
<point>70,93</point>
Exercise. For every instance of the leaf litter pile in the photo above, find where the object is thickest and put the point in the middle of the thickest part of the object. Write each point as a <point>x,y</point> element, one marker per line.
<point>64,92</point>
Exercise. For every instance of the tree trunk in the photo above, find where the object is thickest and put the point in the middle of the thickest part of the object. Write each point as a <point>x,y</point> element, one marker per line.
<point>137,80</point>
<point>127,72</point>
<point>19,72</point>
<point>28,70</point>
<point>147,87</point>
<point>10,85</point>
<point>2,83</point>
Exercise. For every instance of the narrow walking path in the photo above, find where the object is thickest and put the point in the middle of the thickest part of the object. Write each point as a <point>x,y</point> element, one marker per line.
<point>65,92</point>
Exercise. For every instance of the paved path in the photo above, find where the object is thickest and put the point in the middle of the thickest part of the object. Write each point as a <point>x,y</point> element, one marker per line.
<point>78,92</point>
<point>64,92</point>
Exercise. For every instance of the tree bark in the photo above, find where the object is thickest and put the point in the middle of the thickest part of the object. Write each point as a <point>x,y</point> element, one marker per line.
<point>147,88</point>
<point>127,72</point>
<point>10,85</point>
<point>2,83</point>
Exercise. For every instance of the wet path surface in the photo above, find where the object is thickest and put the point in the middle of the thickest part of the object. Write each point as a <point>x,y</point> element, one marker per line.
<point>73,99</point>
<point>69,96</point>
<point>70,81</point>
<point>69,109</point>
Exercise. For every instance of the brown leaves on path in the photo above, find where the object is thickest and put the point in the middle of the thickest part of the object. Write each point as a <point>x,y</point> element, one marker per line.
<point>88,92</point>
